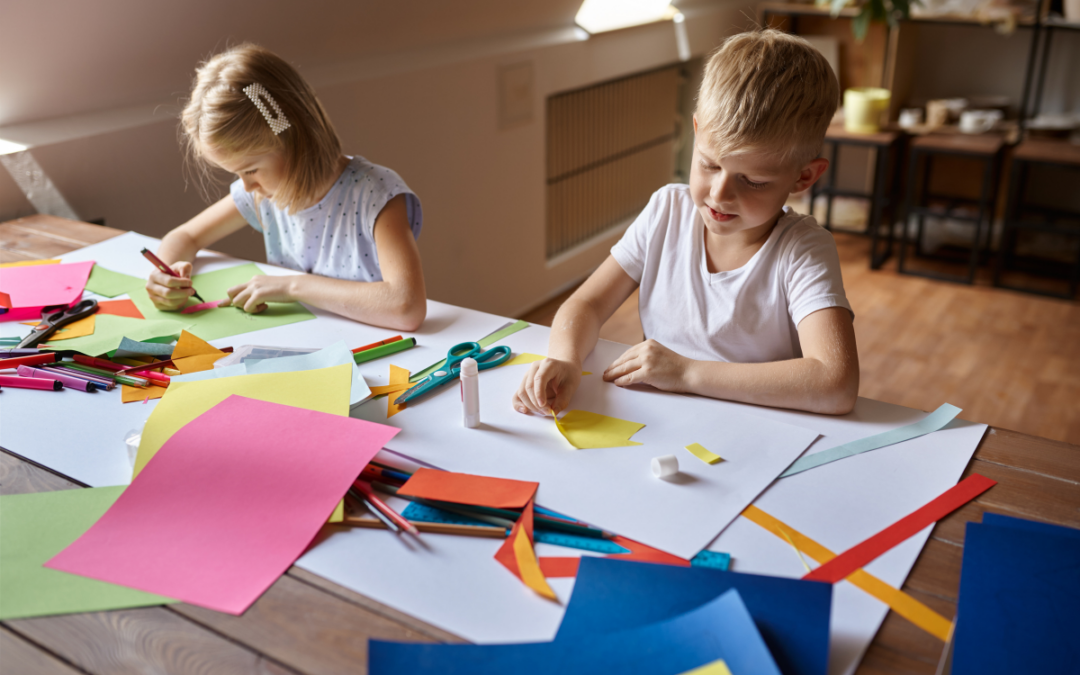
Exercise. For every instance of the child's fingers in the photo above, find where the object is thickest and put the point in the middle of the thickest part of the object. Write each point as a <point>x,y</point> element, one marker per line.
<point>183,268</point>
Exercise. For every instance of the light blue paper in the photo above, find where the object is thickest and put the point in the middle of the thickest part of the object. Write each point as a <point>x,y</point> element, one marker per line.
<point>929,424</point>
<point>133,348</point>
<point>335,355</point>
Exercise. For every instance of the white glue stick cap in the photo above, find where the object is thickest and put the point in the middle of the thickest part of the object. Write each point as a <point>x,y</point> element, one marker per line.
<point>665,467</point>
<point>468,367</point>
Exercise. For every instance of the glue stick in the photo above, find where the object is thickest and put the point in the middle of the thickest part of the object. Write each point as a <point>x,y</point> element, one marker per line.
<point>470,393</point>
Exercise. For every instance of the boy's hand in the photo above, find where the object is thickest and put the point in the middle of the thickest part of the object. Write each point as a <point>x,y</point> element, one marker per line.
<point>170,293</point>
<point>263,288</point>
<point>547,387</point>
<point>649,363</point>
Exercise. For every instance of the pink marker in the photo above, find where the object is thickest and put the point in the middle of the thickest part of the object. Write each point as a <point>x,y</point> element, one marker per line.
<point>67,380</point>
<point>30,383</point>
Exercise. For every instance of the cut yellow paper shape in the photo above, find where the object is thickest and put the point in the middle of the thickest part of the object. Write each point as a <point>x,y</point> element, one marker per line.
<point>389,388</point>
<point>697,450</point>
<point>398,376</point>
<point>520,359</point>
<point>80,328</point>
<point>339,513</point>
<point>528,567</point>
<point>900,602</point>
<point>27,263</point>
<point>130,394</point>
<point>324,390</point>
<point>717,667</point>
<point>585,429</point>
<point>194,355</point>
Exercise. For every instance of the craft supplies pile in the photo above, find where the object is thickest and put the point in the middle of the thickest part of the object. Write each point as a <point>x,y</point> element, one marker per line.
<point>640,531</point>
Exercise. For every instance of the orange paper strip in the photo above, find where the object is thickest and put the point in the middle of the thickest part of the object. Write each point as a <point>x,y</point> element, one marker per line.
<point>397,376</point>
<point>517,555</point>
<point>557,568</point>
<point>464,488</point>
<point>119,308</point>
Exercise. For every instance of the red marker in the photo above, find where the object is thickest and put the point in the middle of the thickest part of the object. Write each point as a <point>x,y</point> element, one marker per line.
<point>166,269</point>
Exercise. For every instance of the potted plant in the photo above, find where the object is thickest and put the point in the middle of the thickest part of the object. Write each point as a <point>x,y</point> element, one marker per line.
<point>890,11</point>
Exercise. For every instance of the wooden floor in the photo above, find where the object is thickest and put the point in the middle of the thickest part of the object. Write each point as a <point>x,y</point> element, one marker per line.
<point>1008,359</point>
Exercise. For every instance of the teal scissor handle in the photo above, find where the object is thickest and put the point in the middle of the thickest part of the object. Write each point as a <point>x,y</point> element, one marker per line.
<point>451,370</point>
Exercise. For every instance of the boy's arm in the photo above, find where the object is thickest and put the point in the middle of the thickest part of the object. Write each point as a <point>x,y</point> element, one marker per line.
<point>824,380</point>
<point>179,247</point>
<point>549,384</point>
<point>399,301</point>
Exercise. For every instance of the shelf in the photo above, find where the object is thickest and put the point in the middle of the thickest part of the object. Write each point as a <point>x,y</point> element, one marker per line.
<point>800,9</point>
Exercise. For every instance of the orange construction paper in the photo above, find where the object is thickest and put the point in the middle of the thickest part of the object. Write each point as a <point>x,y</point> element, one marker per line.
<point>130,394</point>
<point>194,355</point>
<point>397,376</point>
<point>389,388</point>
<point>556,568</point>
<point>464,488</point>
<point>517,555</point>
<point>119,308</point>
<point>81,328</point>
<point>25,263</point>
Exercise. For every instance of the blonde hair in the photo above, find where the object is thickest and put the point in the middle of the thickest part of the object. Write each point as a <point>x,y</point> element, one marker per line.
<point>220,115</point>
<point>767,91</point>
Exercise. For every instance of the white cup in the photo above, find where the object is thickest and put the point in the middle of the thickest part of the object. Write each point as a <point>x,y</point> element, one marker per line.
<point>910,117</point>
<point>978,121</point>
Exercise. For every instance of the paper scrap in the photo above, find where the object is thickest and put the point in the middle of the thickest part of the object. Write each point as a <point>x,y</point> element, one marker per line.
<point>228,321</point>
<point>583,429</point>
<point>520,359</point>
<point>559,567</point>
<point>697,450</point>
<point>33,529</point>
<point>334,355</point>
<point>325,390</point>
<point>866,551</point>
<point>78,328</point>
<point>464,488</point>
<point>398,376</point>
<point>111,284</point>
<point>900,602</point>
<point>518,547</point>
<point>193,354</point>
<point>185,527</point>
<point>24,263</point>
<point>929,424</point>
<point>201,307</point>
<point>717,667</point>
<point>30,288</point>
<point>123,307</point>
<point>134,349</point>
<point>130,394</point>
<point>110,330</point>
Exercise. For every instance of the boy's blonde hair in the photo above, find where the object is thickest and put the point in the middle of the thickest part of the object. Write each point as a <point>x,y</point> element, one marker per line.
<point>220,115</point>
<point>767,91</point>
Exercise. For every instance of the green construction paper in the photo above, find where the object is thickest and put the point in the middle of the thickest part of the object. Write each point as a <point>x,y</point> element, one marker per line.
<point>111,284</point>
<point>222,322</point>
<point>484,343</point>
<point>36,527</point>
<point>110,330</point>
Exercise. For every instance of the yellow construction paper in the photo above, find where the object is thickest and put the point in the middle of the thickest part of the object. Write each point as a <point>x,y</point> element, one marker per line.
<point>26,263</point>
<point>389,388</point>
<point>194,355</point>
<point>524,358</point>
<point>130,394</point>
<point>585,429</point>
<point>398,376</point>
<point>704,455</point>
<point>339,513</point>
<point>899,601</point>
<point>717,667</point>
<point>529,568</point>
<point>80,328</point>
<point>324,390</point>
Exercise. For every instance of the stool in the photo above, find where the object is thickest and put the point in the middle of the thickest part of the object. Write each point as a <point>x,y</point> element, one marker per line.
<point>984,147</point>
<point>1023,215</point>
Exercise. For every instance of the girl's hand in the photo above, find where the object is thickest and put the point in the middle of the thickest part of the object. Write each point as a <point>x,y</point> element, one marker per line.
<point>548,386</point>
<point>170,293</point>
<point>650,363</point>
<point>263,288</point>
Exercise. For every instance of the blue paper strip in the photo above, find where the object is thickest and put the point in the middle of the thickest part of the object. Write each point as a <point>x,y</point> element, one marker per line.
<point>712,560</point>
<point>614,595</point>
<point>720,629</point>
<point>929,424</point>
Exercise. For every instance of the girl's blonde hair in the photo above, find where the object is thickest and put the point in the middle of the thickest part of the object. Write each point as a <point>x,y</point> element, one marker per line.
<point>767,91</point>
<point>220,115</point>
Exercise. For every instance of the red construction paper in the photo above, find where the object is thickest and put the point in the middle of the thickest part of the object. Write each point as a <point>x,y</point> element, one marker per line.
<point>119,308</point>
<point>864,552</point>
<point>556,568</point>
<point>185,528</point>
<point>642,553</point>
<point>464,488</point>
<point>34,287</point>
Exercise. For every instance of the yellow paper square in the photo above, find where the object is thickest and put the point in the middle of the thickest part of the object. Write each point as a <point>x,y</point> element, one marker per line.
<point>585,429</point>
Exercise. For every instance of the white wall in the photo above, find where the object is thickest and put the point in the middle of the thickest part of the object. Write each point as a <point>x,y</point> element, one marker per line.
<point>410,84</point>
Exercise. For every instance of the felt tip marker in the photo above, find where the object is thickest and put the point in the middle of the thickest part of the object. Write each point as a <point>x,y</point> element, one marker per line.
<point>68,381</point>
<point>165,269</point>
<point>17,382</point>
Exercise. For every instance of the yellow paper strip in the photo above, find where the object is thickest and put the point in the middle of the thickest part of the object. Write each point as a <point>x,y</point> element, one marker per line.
<point>697,450</point>
<point>524,358</point>
<point>27,263</point>
<point>717,667</point>
<point>900,602</point>
<point>529,568</point>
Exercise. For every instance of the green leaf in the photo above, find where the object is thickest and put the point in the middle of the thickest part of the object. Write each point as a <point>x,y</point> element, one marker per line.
<point>861,24</point>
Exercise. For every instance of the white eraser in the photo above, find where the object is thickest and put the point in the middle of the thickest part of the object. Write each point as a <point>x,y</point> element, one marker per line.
<point>665,467</point>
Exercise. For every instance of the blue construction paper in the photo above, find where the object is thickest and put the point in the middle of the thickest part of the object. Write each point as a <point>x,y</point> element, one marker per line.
<point>998,520</point>
<point>719,629</point>
<point>792,614</point>
<point>1019,599</point>
<point>929,424</point>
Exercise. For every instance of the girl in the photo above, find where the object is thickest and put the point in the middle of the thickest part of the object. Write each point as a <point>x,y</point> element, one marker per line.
<point>349,226</point>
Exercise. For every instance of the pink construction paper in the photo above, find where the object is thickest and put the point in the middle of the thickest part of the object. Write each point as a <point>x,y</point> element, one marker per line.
<point>33,287</point>
<point>200,307</point>
<point>227,504</point>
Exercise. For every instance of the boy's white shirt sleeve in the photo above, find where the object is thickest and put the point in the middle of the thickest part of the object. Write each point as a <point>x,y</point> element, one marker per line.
<point>813,277</point>
<point>632,250</point>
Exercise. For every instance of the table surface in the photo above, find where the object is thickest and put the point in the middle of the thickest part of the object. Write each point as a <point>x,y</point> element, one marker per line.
<point>306,624</point>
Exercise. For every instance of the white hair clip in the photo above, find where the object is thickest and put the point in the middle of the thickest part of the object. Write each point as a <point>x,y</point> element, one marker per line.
<point>260,97</point>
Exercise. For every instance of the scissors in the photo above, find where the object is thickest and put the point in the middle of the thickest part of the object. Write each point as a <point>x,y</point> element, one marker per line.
<point>51,321</point>
<point>451,370</point>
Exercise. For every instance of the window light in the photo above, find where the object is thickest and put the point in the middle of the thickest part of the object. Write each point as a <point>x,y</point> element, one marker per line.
<point>600,16</point>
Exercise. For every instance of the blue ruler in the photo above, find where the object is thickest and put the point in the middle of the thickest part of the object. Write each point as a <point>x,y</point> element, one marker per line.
<point>717,561</point>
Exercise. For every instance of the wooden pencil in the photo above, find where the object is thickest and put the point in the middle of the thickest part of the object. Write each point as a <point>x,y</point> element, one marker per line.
<point>434,528</point>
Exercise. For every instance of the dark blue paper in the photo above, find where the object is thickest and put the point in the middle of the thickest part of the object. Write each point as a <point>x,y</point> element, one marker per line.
<point>720,629</point>
<point>792,615</point>
<point>999,520</point>
<point>1019,604</point>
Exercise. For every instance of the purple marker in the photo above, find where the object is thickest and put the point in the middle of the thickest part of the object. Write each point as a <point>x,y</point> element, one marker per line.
<point>19,351</point>
<point>72,382</point>
<point>101,382</point>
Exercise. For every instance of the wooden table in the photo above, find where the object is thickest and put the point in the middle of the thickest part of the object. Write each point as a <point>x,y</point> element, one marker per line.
<point>305,624</point>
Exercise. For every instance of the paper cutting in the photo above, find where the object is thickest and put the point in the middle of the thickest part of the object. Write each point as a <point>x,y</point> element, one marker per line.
<point>130,394</point>
<point>517,555</point>
<point>398,376</point>
<point>463,488</point>
<point>583,430</point>
<point>520,359</point>
<point>119,308</point>
<point>185,526</point>
<point>697,450</point>
<point>193,354</point>
<point>33,287</point>
<point>111,284</point>
<point>79,328</point>
<point>134,349</point>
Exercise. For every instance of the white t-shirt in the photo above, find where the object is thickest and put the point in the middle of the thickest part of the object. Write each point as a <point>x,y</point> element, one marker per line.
<point>334,238</point>
<point>747,315</point>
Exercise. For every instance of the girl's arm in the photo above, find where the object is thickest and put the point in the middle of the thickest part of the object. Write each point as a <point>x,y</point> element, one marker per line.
<point>550,384</point>
<point>178,249</point>
<point>399,301</point>
<point>824,380</point>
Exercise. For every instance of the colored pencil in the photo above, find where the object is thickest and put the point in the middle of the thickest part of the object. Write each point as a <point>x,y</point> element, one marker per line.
<point>373,345</point>
<point>390,525</point>
<point>365,489</point>
<point>433,528</point>
<point>384,350</point>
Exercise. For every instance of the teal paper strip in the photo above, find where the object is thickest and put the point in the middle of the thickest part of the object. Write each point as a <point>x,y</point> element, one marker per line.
<point>929,424</point>
<point>484,342</point>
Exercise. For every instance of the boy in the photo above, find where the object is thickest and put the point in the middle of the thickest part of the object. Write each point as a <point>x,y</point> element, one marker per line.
<point>741,298</point>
